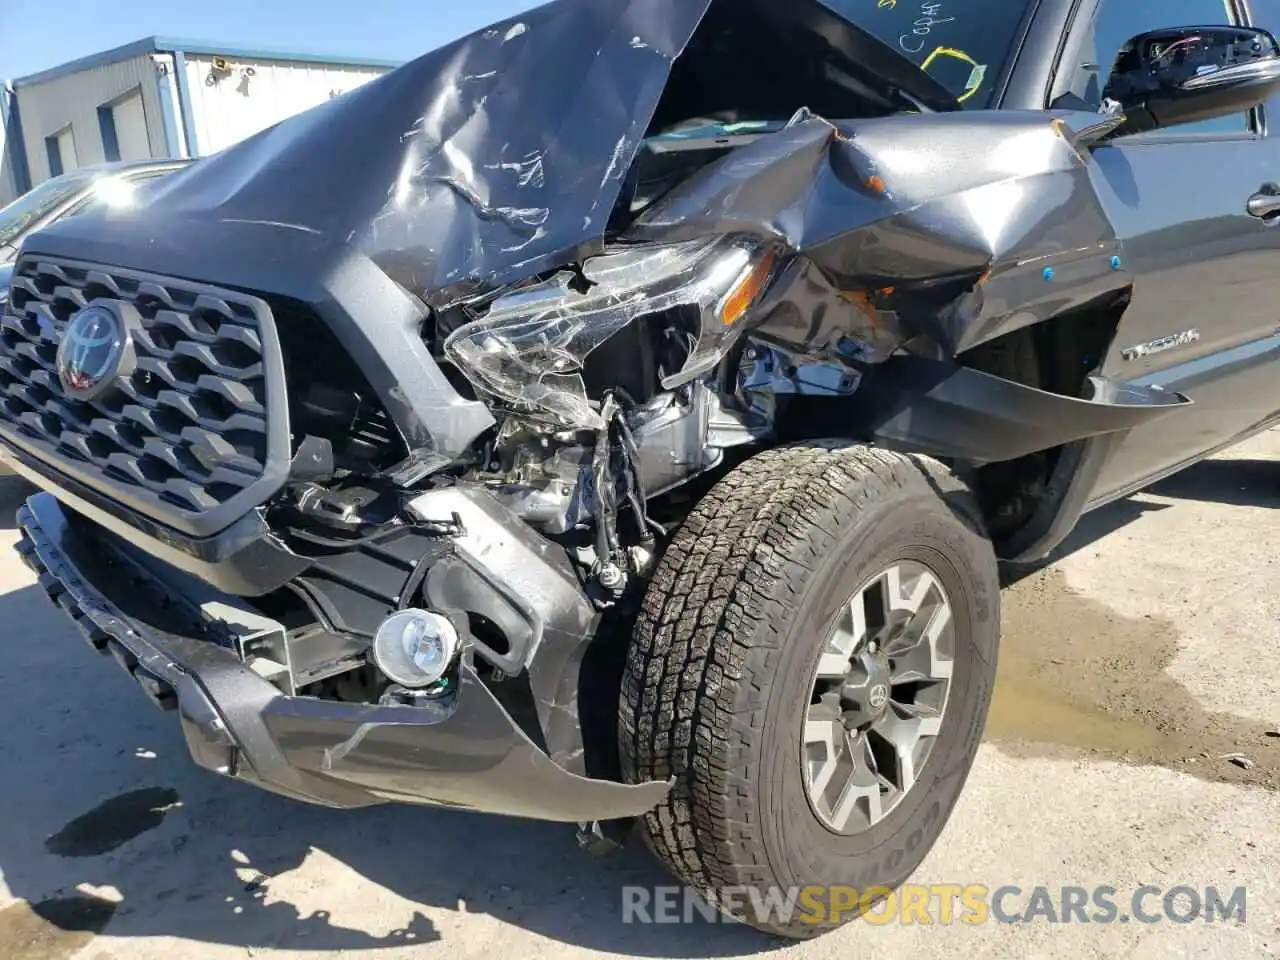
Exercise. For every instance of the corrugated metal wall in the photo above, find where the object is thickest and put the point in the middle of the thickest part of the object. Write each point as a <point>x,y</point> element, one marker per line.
<point>232,104</point>
<point>72,101</point>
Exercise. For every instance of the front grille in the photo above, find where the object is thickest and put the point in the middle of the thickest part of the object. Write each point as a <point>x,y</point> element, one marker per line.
<point>330,396</point>
<point>196,436</point>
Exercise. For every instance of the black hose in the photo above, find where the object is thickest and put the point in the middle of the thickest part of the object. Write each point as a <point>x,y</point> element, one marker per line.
<point>635,482</point>
<point>632,450</point>
<point>608,549</point>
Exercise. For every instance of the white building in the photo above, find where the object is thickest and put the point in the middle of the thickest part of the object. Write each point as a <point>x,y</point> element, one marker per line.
<point>159,97</point>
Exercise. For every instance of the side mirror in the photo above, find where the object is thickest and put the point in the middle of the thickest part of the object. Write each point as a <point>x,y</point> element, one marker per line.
<point>1168,77</point>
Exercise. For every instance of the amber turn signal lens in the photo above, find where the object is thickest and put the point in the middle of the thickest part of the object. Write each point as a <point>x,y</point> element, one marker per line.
<point>748,290</point>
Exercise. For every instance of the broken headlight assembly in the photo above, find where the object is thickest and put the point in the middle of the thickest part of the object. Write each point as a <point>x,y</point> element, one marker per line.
<point>527,352</point>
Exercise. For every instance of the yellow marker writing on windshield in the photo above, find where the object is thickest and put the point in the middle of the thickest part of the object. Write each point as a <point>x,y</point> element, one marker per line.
<point>976,75</point>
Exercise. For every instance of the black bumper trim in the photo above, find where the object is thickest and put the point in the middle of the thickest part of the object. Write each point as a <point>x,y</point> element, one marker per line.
<point>244,560</point>
<point>466,752</point>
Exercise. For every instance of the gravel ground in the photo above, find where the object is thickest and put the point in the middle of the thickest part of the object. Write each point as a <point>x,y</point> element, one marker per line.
<point>1129,744</point>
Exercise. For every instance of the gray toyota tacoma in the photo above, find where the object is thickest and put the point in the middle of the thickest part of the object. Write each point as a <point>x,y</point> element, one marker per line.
<point>617,415</point>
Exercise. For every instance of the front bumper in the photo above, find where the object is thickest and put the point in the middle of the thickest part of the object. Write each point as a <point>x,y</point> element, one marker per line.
<point>243,560</point>
<point>465,752</point>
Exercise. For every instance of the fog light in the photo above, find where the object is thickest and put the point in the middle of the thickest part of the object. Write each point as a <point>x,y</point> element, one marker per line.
<point>415,647</point>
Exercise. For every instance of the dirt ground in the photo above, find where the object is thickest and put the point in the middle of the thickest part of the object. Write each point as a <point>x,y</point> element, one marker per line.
<point>1135,739</point>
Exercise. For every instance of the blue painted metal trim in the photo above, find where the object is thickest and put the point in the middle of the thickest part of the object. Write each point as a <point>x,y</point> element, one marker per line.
<point>115,55</point>
<point>184,103</point>
<point>205,48</point>
<point>168,116</point>
<point>176,45</point>
<point>15,143</point>
<point>107,129</point>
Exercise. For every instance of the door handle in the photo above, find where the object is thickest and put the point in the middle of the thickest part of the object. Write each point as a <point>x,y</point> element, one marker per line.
<point>1265,204</point>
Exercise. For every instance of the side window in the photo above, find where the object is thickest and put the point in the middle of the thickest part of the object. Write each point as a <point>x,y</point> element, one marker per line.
<point>1116,22</point>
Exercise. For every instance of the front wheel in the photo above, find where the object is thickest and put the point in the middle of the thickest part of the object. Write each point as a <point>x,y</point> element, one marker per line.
<point>813,665</point>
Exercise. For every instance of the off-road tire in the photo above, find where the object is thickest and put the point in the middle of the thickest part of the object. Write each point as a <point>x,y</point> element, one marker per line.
<point>718,673</point>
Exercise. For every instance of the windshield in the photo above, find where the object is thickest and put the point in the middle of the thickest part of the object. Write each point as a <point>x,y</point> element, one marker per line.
<point>34,204</point>
<point>963,44</point>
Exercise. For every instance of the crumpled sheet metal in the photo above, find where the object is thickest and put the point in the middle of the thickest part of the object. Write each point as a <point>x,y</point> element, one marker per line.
<point>942,409</point>
<point>487,160</point>
<point>502,154</point>
<point>956,226</point>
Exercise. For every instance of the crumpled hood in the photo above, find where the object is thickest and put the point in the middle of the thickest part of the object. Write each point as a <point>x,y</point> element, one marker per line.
<point>501,154</point>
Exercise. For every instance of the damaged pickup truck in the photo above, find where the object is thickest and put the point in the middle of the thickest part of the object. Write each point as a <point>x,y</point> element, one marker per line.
<point>616,416</point>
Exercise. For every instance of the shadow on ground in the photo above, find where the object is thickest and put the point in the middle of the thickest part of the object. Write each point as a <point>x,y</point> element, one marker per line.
<point>1246,483</point>
<point>1091,528</point>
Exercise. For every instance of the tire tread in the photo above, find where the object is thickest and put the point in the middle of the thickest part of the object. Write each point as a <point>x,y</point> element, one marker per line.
<point>707,638</point>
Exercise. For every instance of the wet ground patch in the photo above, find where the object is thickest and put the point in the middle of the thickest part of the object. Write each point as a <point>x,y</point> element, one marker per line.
<point>1077,678</point>
<point>52,929</point>
<point>113,822</point>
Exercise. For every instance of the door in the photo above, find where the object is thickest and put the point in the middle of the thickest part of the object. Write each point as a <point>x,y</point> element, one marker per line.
<point>1205,311</point>
<point>131,128</point>
<point>61,148</point>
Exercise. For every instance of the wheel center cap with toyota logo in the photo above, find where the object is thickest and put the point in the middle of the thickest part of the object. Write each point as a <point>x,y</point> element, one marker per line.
<point>878,696</point>
<point>96,351</point>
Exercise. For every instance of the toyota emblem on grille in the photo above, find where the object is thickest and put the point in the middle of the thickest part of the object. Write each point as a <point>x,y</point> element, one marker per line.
<point>93,351</point>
